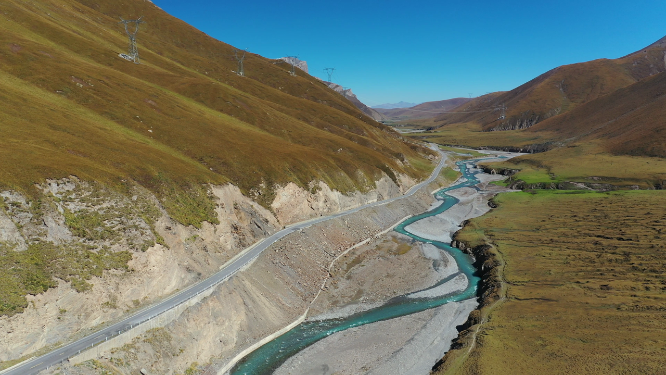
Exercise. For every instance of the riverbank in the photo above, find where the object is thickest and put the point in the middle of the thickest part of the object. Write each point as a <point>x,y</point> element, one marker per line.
<point>410,344</point>
<point>394,346</point>
<point>584,285</point>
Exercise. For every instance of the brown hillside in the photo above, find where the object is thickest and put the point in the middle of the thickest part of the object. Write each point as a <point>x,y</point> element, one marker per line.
<point>631,120</point>
<point>71,106</point>
<point>562,89</point>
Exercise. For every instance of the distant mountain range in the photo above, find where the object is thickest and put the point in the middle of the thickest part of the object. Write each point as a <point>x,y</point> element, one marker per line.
<point>394,105</point>
<point>423,110</point>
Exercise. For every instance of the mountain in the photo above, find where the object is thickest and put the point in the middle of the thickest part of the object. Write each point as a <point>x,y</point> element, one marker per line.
<point>126,180</point>
<point>423,110</point>
<point>72,106</point>
<point>349,95</point>
<point>394,105</point>
<point>629,121</point>
<point>561,90</point>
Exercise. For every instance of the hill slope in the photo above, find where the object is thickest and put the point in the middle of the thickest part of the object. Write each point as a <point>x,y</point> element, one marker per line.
<point>72,106</point>
<point>631,120</point>
<point>562,89</point>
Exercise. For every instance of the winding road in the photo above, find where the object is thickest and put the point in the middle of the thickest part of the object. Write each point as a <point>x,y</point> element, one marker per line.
<point>35,365</point>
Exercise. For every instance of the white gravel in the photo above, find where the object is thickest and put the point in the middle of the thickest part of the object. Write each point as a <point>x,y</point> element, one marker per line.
<point>457,284</point>
<point>411,344</point>
<point>408,345</point>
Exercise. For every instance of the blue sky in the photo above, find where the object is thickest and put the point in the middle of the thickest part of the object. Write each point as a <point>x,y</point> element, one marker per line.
<point>417,51</point>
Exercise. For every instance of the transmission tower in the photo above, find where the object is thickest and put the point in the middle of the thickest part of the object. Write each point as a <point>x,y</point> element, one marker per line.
<point>133,50</point>
<point>241,69</point>
<point>329,71</point>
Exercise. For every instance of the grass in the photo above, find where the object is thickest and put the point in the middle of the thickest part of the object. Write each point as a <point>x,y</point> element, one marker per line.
<point>463,151</point>
<point>34,270</point>
<point>87,255</point>
<point>585,285</point>
<point>450,174</point>
<point>472,135</point>
<point>588,163</point>
<point>72,107</point>
<point>179,121</point>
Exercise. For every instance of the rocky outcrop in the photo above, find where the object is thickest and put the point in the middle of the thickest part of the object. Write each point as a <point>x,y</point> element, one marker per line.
<point>526,120</point>
<point>165,256</point>
<point>293,203</point>
<point>274,292</point>
<point>80,302</point>
<point>300,64</point>
<point>347,93</point>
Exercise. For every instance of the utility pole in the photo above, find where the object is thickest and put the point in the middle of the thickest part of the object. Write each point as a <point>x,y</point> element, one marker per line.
<point>329,71</point>
<point>133,49</point>
<point>241,69</point>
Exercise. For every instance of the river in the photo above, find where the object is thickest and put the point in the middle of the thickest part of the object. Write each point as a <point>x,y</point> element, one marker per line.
<point>270,356</point>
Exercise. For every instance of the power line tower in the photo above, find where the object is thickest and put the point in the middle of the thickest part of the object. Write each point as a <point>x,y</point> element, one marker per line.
<point>133,51</point>
<point>292,61</point>
<point>329,71</point>
<point>240,59</point>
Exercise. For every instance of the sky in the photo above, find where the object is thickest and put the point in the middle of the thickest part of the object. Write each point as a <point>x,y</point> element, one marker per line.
<point>417,51</point>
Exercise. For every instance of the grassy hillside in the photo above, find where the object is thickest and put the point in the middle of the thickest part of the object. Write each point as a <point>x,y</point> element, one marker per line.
<point>619,138</point>
<point>71,106</point>
<point>631,120</point>
<point>560,90</point>
<point>583,286</point>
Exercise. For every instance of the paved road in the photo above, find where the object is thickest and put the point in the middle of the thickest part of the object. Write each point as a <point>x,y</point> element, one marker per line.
<point>35,365</point>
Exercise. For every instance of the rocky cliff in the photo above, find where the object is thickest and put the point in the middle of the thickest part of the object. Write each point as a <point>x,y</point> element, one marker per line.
<point>111,254</point>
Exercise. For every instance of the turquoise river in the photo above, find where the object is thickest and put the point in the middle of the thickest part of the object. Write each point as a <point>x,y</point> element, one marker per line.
<point>270,356</point>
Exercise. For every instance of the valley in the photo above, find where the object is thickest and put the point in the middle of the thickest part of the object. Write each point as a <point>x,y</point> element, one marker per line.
<point>208,210</point>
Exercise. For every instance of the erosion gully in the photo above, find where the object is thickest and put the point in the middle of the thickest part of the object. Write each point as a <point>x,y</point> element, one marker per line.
<point>273,354</point>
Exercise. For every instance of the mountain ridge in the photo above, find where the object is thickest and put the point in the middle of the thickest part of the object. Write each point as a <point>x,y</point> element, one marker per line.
<point>561,89</point>
<point>400,104</point>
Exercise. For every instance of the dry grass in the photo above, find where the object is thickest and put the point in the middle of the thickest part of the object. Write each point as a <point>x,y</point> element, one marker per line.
<point>588,162</point>
<point>71,106</point>
<point>472,135</point>
<point>586,286</point>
